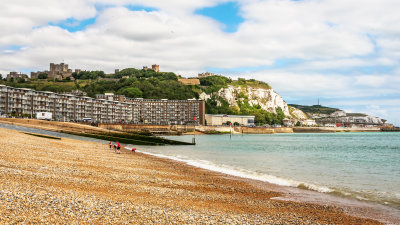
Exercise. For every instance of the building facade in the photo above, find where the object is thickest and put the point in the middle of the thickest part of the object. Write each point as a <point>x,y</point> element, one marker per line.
<point>107,108</point>
<point>220,119</point>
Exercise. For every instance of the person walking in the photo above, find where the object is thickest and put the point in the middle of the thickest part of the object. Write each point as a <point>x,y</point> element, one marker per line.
<point>118,148</point>
<point>110,144</point>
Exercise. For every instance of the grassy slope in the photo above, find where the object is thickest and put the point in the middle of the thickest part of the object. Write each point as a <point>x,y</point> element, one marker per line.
<point>315,109</point>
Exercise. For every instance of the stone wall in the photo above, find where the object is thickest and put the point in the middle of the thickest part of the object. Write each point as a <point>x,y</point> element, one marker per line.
<point>189,81</point>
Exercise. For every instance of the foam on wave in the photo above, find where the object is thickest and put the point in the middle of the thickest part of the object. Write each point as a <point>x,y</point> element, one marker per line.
<point>239,172</point>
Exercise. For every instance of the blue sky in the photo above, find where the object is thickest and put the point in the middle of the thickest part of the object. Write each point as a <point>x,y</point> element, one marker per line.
<point>74,25</point>
<point>305,49</point>
<point>227,14</point>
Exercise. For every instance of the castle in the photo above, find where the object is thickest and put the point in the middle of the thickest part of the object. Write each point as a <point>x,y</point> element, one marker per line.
<point>16,75</point>
<point>206,74</point>
<point>57,71</point>
<point>154,67</point>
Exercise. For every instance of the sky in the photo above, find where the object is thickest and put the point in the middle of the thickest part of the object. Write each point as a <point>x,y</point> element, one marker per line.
<point>344,53</point>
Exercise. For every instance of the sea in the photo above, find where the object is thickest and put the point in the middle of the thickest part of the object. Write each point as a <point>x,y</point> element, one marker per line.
<point>363,166</point>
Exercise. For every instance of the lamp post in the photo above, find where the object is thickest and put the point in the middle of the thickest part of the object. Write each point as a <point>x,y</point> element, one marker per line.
<point>230,134</point>
<point>194,130</point>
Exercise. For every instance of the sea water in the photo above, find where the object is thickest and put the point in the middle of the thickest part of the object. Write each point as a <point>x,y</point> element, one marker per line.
<point>365,166</point>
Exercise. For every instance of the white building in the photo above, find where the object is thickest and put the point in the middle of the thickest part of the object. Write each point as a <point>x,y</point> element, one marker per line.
<point>308,123</point>
<point>220,119</point>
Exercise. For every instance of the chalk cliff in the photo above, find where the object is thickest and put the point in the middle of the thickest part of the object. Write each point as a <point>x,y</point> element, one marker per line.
<point>268,99</point>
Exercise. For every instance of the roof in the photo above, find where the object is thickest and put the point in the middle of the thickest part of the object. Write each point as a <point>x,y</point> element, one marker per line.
<point>224,115</point>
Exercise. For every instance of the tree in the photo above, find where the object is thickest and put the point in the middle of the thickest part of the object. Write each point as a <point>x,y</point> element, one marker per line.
<point>280,115</point>
<point>241,81</point>
<point>21,80</point>
<point>43,76</point>
<point>131,92</point>
<point>214,80</point>
<point>228,122</point>
<point>236,124</point>
<point>85,75</point>
<point>298,124</point>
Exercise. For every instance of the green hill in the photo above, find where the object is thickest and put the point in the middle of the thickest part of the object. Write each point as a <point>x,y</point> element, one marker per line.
<point>315,109</point>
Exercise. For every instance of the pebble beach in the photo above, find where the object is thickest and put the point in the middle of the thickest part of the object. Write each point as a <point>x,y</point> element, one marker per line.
<point>76,182</point>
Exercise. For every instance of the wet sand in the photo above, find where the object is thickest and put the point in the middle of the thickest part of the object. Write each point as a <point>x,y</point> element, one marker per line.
<point>68,181</point>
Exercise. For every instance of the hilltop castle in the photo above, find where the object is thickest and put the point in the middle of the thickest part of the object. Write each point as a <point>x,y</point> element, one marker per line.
<point>154,67</point>
<point>57,71</point>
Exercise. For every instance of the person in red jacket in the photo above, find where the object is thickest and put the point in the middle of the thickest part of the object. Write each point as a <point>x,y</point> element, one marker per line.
<point>118,147</point>
<point>110,144</point>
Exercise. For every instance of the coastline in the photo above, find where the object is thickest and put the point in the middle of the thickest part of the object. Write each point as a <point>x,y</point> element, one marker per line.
<point>349,205</point>
<point>86,182</point>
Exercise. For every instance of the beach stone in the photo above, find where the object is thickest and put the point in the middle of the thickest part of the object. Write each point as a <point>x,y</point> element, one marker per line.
<point>76,182</point>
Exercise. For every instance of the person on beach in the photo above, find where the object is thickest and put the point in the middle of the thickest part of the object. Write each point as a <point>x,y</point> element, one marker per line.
<point>115,147</point>
<point>118,148</point>
<point>110,144</point>
<point>133,149</point>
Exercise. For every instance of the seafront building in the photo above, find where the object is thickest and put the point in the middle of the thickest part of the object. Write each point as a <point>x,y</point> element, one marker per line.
<point>107,108</point>
<point>221,119</point>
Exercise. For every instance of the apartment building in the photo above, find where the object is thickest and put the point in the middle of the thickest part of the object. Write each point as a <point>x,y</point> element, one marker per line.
<point>107,108</point>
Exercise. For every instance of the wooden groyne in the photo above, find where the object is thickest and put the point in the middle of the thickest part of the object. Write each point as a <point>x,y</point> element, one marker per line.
<point>92,132</point>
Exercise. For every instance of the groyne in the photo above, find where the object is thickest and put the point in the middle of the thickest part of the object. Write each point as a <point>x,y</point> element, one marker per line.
<point>149,129</point>
<point>92,132</point>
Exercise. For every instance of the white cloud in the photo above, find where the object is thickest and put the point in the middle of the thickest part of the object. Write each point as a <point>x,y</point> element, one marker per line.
<point>324,35</point>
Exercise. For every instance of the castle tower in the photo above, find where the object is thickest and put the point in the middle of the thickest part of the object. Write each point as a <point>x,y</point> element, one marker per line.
<point>155,67</point>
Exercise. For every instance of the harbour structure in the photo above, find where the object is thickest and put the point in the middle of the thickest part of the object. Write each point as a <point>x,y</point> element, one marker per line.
<point>107,108</point>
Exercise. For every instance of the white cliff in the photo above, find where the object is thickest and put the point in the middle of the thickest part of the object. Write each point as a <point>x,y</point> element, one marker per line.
<point>297,113</point>
<point>268,99</point>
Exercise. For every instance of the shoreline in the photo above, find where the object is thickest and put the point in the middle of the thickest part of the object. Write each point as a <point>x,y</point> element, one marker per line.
<point>145,184</point>
<point>353,207</point>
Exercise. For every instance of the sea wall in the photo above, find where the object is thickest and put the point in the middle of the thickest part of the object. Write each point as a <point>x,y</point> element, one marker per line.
<point>334,129</point>
<point>312,130</point>
<point>236,130</point>
<point>283,129</point>
<point>222,129</point>
<point>256,130</point>
<point>155,129</point>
